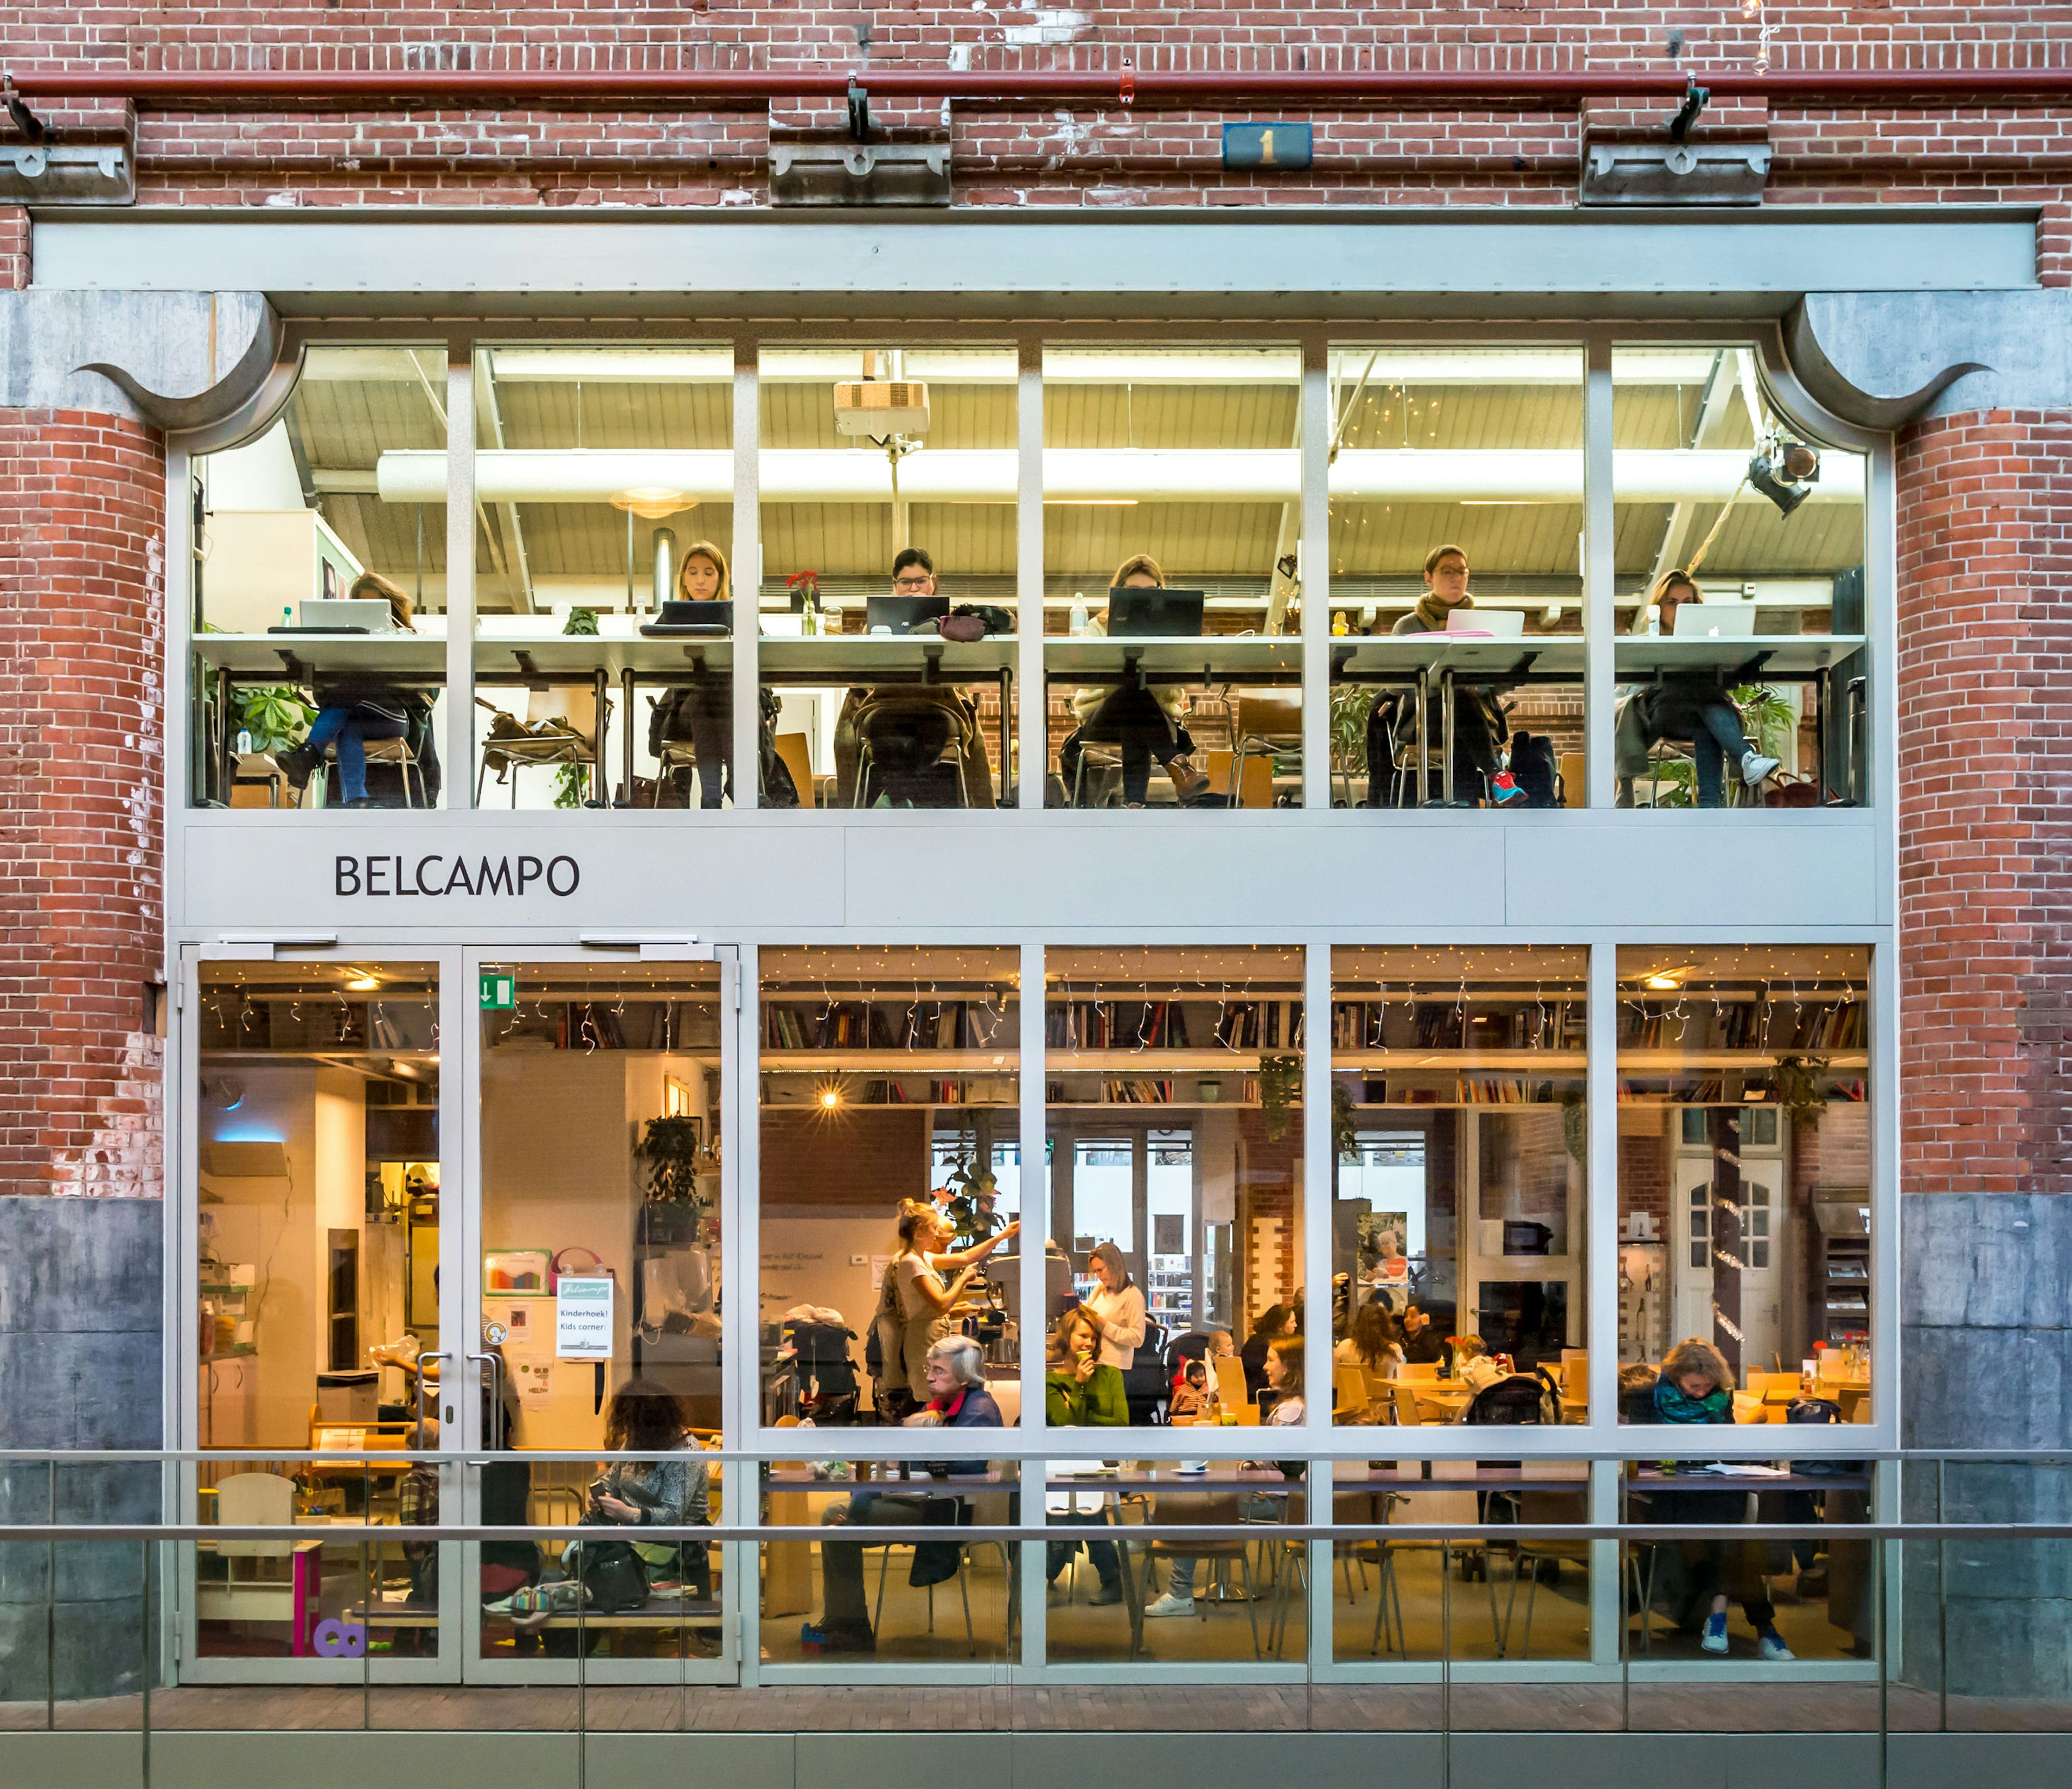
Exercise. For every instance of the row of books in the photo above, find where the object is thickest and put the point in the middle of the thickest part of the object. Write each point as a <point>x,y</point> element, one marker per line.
<point>885,1025</point>
<point>1774,1026</point>
<point>1446,1025</point>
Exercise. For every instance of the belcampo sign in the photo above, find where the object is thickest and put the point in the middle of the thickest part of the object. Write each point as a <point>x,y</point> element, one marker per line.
<point>428,874</point>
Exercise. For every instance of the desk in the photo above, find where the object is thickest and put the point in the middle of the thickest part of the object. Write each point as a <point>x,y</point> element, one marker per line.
<point>1173,659</point>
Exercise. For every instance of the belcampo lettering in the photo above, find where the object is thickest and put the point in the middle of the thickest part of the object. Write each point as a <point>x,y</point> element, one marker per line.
<point>382,875</point>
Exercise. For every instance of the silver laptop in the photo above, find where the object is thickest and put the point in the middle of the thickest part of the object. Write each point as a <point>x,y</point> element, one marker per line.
<point>362,615</point>
<point>1498,623</point>
<point>1716,621</point>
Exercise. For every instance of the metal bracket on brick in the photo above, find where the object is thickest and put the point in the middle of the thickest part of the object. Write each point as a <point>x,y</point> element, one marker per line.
<point>859,173</point>
<point>52,173</point>
<point>1674,174</point>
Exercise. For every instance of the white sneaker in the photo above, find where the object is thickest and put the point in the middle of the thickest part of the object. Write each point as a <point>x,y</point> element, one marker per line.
<point>1169,1605</point>
<point>1770,1644</point>
<point>1755,767</point>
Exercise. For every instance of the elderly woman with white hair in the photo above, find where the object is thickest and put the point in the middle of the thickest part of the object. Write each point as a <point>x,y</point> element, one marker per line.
<point>958,1398</point>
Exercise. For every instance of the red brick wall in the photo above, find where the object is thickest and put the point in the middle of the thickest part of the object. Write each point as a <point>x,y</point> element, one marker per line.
<point>82,623</point>
<point>524,155</point>
<point>1985,623</point>
<point>863,1156</point>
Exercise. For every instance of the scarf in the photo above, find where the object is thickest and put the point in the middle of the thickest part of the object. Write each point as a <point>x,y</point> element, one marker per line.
<point>946,1409</point>
<point>1672,1405</point>
<point>1432,613</point>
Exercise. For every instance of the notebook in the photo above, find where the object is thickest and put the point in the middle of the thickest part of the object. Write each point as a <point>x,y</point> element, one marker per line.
<point>1497,623</point>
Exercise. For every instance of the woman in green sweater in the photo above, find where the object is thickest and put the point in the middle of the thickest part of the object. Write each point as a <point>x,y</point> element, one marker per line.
<point>1080,1392</point>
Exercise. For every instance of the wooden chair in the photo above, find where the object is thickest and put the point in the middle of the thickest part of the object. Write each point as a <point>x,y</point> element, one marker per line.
<point>1403,1401</point>
<point>1269,725</point>
<point>1349,1396</point>
<point>796,752</point>
<point>1232,1393</point>
<point>561,729</point>
<point>1257,789</point>
<point>1573,785</point>
<point>1418,1369</point>
<point>1194,1510</point>
<point>1538,1508</point>
<point>1456,1507</point>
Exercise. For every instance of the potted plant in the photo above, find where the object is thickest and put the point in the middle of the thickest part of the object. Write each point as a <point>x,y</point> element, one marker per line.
<point>971,1207</point>
<point>671,1147</point>
<point>1279,1079</point>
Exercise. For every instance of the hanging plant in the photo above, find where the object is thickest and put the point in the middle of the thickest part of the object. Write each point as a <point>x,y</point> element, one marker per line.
<point>1575,1128</point>
<point>1344,1124</point>
<point>1280,1079</point>
<point>1800,1086</point>
<point>670,1147</point>
<point>971,1210</point>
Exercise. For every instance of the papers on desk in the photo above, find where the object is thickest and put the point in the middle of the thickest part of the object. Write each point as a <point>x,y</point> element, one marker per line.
<point>1076,1503</point>
<point>1744,1469</point>
<point>1082,1469</point>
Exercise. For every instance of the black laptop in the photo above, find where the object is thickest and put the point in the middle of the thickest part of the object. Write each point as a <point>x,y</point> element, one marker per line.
<point>700,620</point>
<point>1168,615</point>
<point>898,614</point>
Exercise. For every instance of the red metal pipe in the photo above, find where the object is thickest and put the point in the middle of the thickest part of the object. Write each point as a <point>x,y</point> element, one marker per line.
<point>1149,90</point>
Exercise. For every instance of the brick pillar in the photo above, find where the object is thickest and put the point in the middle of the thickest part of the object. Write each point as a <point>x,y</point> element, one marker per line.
<point>82,623</point>
<point>1985,719</point>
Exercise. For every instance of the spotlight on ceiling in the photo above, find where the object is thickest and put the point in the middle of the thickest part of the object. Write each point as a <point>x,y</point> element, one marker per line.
<point>651,502</point>
<point>1784,473</point>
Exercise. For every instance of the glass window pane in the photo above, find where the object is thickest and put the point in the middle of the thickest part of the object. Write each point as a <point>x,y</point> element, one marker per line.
<point>348,485</point>
<point>1761,698</point>
<point>889,476</point>
<point>1174,1093</point>
<point>890,1099</point>
<point>318,1165</point>
<point>604,476</point>
<point>1743,1078</point>
<point>1457,512</point>
<point>601,1141</point>
<point>1172,473</point>
<point>1458,1097</point>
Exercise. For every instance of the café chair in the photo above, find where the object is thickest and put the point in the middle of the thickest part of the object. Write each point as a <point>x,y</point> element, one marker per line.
<point>1269,725</point>
<point>251,1589</point>
<point>1545,1508</point>
<point>1194,1510</point>
<point>1431,1506</point>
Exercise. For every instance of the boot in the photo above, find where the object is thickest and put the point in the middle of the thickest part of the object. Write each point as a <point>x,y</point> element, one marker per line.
<point>1188,784</point>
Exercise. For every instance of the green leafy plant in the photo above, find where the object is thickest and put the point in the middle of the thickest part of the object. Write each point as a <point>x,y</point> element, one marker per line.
<point>1279,1077</point>
<point>276,717</point>
<point>971,1209</point>
<point>1768,717</point>
<point>673,1147</point>
<point>571,785</point>
<point>1349,708</point>
<point>1344,1124</point>
<point>581,621</point>
<point>1800,1088</point>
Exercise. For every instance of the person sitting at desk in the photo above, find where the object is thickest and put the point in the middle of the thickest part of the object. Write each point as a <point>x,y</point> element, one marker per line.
<point>1082,1391</point>
<point>1274,1322</point>
<point>1373,1342</point>
<point>1479,726</point>
<point>702,711</point>
<point>1145,722</point>
<point>954,1374</point>
<point>352,710</point>
<point>1284,1379</point>
<point>1685,705</point>
<point>908,725</point>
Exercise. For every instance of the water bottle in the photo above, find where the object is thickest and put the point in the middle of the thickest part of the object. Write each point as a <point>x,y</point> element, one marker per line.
<point>245,741</point>
<point>1076,623</point>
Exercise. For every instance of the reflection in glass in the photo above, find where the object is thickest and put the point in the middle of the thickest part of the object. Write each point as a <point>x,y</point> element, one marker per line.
<point>318,1230</point>
<point>602,1145</point>
<point>888,486</point>
<point>1740,538</point>
<point>1457,1233</point>
<point>293,525</point>
<point>1172,497</point>
<point>891,1179</point>
<point>1175,1100</point>
<point>1456,513</point>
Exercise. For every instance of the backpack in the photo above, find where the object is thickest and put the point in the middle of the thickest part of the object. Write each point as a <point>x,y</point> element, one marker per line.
<point>1516,1401</point>
<point>1536,768</point>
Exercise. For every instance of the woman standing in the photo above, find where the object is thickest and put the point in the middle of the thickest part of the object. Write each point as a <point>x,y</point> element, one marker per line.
<point>914,1302</point>
<point>1116,1312</point>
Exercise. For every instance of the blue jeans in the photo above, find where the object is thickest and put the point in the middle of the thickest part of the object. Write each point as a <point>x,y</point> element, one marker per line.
<point>351,728</point>
<point>1717,738</point>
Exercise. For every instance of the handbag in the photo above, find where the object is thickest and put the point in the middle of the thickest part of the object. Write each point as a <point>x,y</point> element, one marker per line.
<point>569,1263</point>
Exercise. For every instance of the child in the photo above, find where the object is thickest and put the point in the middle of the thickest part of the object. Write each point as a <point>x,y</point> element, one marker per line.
<point>1192,1394</point>
<point>1697,1386</point>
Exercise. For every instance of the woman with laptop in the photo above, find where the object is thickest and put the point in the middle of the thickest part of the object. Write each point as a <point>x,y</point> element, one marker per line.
<point>1145,723</point>
<point>353,710</point>
<point>1689,704</point>
<point>702,710</point>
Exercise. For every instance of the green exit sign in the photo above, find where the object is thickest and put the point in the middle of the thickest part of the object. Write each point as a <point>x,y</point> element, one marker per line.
<point>499,990</point>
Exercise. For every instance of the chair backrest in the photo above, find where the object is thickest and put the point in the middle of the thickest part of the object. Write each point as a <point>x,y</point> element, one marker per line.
<point>569,703</point>
<point>1230,1389</point>
<point>1270,715</point>
<point>1575,1376</point>
<point>1418,1369</point>
<point>795,749</point>
<point>1447,1506</point>
<point>255,1500</point>
<point>1258,789</point>
<point>1404,1396</point>
<point>1573,786</point>
<point>1349,1387</point>
<point>1568,1504</point>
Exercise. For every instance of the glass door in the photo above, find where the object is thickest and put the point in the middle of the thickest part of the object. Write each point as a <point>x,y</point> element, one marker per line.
<point>603,1084</point>
<point>318,1157</point>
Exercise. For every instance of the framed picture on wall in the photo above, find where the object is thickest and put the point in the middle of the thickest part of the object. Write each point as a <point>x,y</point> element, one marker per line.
<point>515,1271</point>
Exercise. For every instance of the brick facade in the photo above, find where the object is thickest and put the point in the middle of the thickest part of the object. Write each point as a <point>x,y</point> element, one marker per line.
<point>82,626</point>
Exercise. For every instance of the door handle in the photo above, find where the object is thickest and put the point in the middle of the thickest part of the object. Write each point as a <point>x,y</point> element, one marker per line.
<point>418,1440</point>
<point>494,1375</point>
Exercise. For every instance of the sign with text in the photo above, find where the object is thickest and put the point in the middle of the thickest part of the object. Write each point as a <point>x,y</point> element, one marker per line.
<point>436,874</point>
<point>582,1318</point>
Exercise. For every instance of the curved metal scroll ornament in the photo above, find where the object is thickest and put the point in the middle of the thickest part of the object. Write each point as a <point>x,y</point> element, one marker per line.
<point>222,402</point>
<point>1832,387</point>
